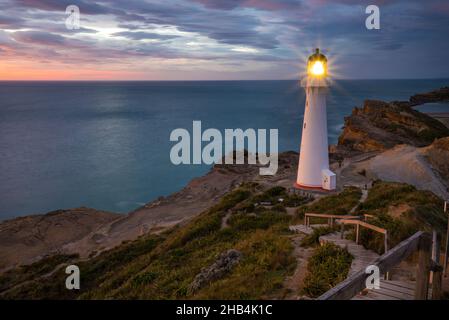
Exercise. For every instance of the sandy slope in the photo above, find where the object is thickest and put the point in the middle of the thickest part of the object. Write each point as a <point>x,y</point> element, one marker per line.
<point>26,239</point>
<point>403,163</point>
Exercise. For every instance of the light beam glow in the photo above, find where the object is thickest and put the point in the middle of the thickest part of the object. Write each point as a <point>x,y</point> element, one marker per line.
<point>317,68</point>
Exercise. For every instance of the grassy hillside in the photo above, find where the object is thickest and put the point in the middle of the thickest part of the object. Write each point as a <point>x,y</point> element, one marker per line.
<point>340,203</point>
<point>402,210</point>
<point>163,266</point>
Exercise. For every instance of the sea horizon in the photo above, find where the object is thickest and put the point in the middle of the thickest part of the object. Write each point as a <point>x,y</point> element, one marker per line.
<point>222,80</point>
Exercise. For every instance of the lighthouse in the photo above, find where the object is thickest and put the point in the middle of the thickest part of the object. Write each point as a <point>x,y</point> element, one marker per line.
<point>313,167</point>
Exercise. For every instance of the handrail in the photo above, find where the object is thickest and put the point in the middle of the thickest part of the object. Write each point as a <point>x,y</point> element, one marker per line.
<point>420,241</point>
<point>336,216</point>
<point>360,223</point>
<point>364,224</point>
<point>348,219</point>
<point>330,217</point>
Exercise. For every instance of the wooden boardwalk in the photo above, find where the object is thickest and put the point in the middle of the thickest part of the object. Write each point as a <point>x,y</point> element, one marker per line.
<point>305,229</point>
<point>389,290</point>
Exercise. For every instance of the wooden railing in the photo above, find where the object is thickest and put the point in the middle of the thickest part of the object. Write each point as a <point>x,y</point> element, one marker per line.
<point>348,219</point>
<point>421,242</point>
<point>330,217</point>
<point>358,224</point>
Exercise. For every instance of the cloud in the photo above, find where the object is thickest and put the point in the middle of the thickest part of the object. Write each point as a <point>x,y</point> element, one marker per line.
<point>11,22</point>
<point>268,5</point>
<point>272,33</point>
<point>87,7</point>
<point>39,37</point>
<point>141,35</point>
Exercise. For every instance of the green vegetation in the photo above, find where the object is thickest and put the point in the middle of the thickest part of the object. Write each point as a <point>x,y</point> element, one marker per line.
<point>36,269</point>
<point>340,203</point>
<point>274,194</point>
<point>328,266</point>
<point>402,210</point>
<point>163,266</point>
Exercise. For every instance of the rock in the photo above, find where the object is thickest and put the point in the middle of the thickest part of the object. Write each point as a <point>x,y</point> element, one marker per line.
<point>438,156</point>
<point>380,125</point>
<point>225,262</point>
<point>434,96</point>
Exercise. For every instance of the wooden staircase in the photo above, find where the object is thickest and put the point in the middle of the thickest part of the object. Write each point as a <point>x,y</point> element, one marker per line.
<point>354,285</point>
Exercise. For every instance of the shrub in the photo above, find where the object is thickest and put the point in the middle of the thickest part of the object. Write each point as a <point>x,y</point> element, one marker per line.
<point>341,203</point>
<point>240,222</point>
<point>328,266</point>
<point>424,213</point>
<point>144,279</point>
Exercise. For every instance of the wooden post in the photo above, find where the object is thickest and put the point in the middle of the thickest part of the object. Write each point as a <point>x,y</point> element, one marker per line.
<point>342,230</point>
<point>387,274</point>
<point>423,272</point>
<point>357,231</point>
<point>436,274</point>
<point>447,241</point>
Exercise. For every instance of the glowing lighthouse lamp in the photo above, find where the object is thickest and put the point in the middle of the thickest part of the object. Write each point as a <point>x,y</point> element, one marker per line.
<point>313,168</point>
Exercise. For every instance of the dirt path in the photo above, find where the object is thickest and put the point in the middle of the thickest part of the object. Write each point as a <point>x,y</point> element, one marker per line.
<point>294,283</point>
<point>361,200</point>
<point>224,221</point>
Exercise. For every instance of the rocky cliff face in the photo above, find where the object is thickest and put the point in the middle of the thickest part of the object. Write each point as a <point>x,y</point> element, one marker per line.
<point>434,96</point>
<point>379,125</point>
<point>438,156</point>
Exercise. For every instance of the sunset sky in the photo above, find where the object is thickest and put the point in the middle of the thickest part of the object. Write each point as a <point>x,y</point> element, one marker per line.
<point>220,39</point>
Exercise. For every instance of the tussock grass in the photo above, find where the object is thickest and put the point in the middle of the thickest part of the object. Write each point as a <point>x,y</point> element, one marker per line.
<point>163,266</point>
<point>328,266</point>
<point>425,213</point>
<point>341,203</point>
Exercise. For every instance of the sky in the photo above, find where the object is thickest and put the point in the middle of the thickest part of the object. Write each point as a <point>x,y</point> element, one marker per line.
<point>221,39</point>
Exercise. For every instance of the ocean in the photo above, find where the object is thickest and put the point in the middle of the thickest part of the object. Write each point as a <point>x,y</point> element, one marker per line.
<point>106,144</point>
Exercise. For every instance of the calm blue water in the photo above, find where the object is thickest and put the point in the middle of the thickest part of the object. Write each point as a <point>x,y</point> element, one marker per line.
<point>106,144</point>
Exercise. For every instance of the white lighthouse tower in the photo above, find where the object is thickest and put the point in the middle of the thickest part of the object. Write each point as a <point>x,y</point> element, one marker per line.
<point>313,168</point>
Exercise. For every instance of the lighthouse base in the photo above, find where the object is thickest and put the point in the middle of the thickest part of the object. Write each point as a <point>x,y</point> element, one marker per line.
<point>328,182</point>
<point>309,188</point>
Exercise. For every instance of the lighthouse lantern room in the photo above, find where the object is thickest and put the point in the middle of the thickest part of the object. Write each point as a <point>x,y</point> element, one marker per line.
<point>313,167</point>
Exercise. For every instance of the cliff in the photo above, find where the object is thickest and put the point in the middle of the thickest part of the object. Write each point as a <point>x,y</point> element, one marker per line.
<point>439,95</point>
<point>379,125</point>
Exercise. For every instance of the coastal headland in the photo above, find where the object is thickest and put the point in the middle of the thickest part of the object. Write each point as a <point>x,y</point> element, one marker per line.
<point>381,142</point>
